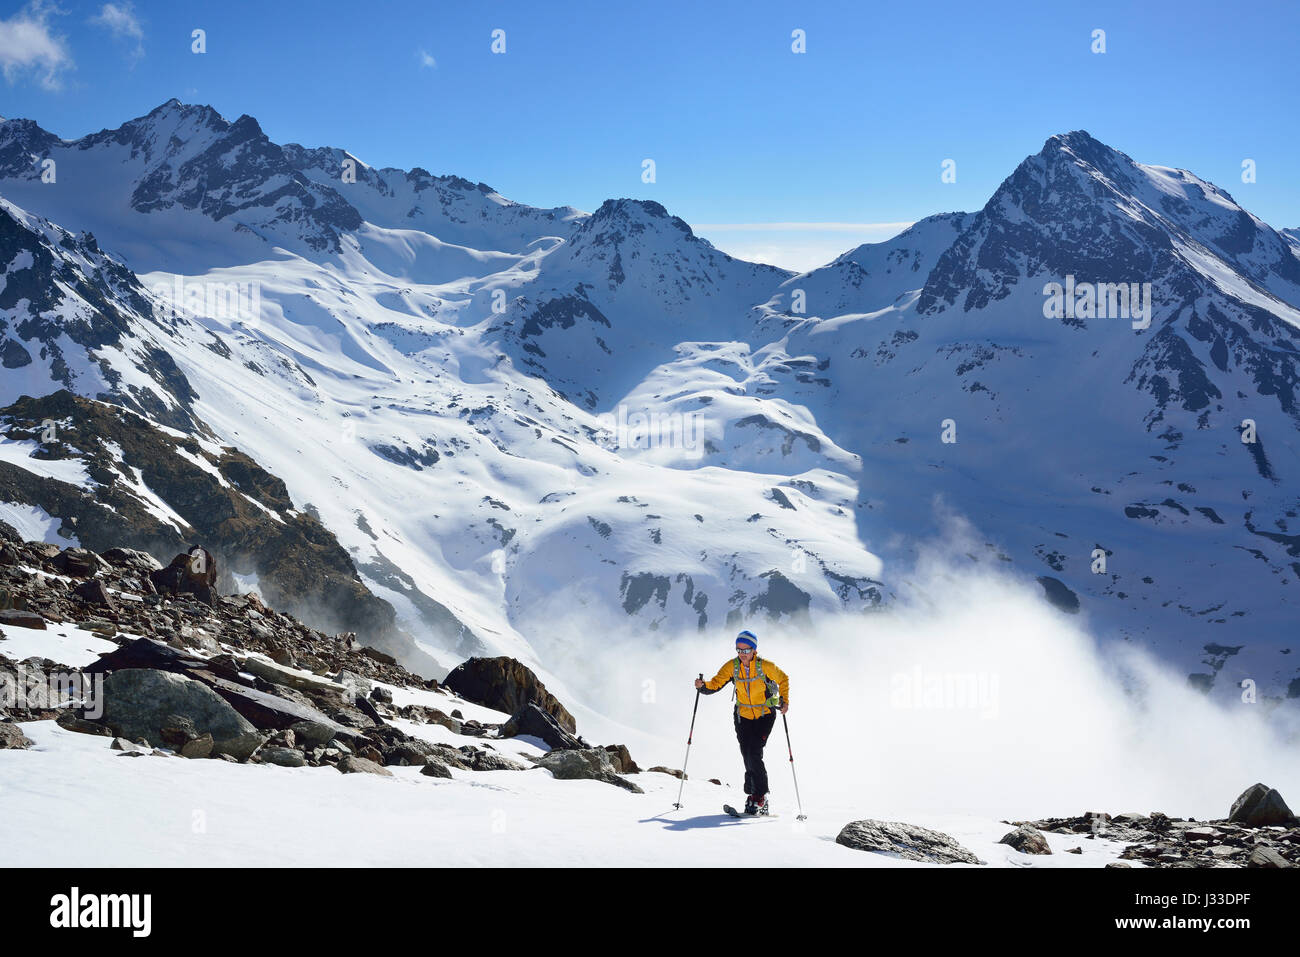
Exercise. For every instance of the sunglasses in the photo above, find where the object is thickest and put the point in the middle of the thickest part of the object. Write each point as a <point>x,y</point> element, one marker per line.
<point>745,651</point>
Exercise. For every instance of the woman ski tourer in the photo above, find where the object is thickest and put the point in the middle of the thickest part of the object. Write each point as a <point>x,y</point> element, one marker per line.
<point>760,687</point>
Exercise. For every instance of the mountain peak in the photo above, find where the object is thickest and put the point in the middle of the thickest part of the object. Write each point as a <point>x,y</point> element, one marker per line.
<point>637,214</point>
<point>204,113</point>
<point>1074,140</point>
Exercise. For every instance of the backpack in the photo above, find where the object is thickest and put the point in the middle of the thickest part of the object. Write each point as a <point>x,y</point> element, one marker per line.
<point>773,699</point>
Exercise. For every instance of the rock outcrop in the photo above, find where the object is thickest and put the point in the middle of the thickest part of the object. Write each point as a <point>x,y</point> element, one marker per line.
<point>908,841</point>
<point>505,684</point>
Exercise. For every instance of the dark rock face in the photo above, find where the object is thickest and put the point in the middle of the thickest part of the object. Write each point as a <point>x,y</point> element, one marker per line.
<point>1059,595</point>
<point>299,563</point>
<point>45,299</point>
<point>505,684</point>
<point>908,841</point>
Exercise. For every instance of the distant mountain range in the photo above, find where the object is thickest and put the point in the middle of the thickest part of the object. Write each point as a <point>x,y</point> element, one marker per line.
<point>487,424</point>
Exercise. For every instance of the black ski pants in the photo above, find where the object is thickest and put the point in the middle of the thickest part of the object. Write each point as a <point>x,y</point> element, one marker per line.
<point>752,734</point>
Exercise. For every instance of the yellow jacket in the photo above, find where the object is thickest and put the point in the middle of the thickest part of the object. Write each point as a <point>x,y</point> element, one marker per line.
<point>751,690</point>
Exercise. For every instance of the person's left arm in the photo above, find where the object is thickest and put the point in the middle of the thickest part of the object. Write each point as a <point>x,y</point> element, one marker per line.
<point>783,685</point>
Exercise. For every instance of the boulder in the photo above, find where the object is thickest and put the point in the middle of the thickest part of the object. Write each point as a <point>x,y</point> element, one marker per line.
<point>1027,839</point>
<point>907,841</point>
<point>290,677</point>
<point>353,683</point>
<point>449,756</point>
<point>491,761</point>
<point>533,721</point>
<point>1267,857</point>
<point>70,721</point>
<point>79,563</point>
<point>369,710</point>
<point>266,710</point>
<point>22,619</point>
<point>283,757</point>
<point>132,559</point>
<point>663,770</point>
<point>505,684</point>
<point>1260,806</point>
<point>139,701</point>
<point>351,764</point>
<point>12,737</point>
<point>435,769</point>
<point>374,654</point>
<point>404,754</point>
<point>193,572</point>
<point>94,592</point>
<point>594,764</point>
<point>199,747</point>
<point>150,654</point>
<point>317,733</point>
<point>623,762</point>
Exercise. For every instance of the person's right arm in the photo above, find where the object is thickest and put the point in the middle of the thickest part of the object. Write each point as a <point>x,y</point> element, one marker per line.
<point>718,681</point>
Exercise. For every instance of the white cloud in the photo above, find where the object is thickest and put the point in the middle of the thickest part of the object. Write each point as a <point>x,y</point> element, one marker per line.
<point>797,246</point>
<point>892,228</point>
<point>119,19</point>
<point>29,46</point>
<point>426,60</point>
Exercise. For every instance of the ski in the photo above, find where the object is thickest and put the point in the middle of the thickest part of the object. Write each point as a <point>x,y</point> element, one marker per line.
<point>753,817</point>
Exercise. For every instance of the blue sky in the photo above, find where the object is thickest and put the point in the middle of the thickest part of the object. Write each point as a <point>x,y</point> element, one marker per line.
<point>742,130</point>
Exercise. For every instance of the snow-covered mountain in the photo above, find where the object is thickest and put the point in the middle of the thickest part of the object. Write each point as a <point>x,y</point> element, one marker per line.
<point>1080,432</point>
<point>460,387</point>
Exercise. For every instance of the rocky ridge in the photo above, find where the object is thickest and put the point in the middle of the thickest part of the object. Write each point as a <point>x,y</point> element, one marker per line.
<point>199,674</point>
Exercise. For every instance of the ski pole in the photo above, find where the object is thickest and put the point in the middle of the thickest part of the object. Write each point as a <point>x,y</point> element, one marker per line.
<point>802,816</point>
<point>678,805</point>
